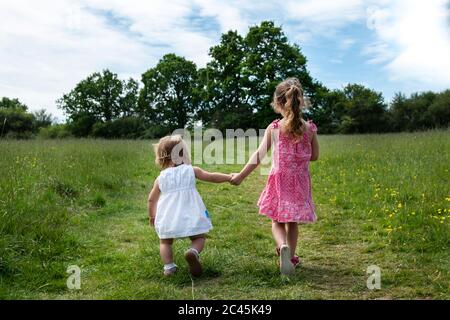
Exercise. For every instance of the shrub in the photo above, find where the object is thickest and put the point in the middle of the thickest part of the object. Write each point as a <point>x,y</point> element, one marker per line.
<point>82,125</point>
<point>57,131</point>
<point>16,123</point>
<point>156,132</point>
<point>124,128</point>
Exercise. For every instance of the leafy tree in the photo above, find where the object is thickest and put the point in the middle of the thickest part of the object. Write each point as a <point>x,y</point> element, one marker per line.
<point>56,131</point>
<point>15,122</point>
<point>270,59</point>
<point>81,124</point>
<point>101,95</point>
<point>123,128</point>
<point>237,86</point>
<point>328,110</point>
<point>129,98</point>
<point>42,119</point>
<point>223,100</point>
<point>412,113</point>
<point>7,103</point>
<point>364,110</point>
<point>419,104</point>
<point>440,109</point>
<point>400,116</point>
<point>167,98</point>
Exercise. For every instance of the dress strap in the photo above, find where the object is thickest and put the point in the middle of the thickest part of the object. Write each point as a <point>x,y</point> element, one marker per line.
<point>276,124</point>
<point>312,126</point>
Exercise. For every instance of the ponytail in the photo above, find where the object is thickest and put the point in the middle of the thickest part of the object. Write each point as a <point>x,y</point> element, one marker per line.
<point>294,122</point>
<point>289,96</point>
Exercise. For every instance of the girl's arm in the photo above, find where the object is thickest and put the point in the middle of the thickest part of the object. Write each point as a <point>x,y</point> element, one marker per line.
<point>256,158</point>
<point>153,202</point>
<point>211,177</point>
<point>315,148</point>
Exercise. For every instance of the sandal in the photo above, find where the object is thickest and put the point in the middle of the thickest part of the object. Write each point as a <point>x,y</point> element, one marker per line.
<point>286,266</point>
<point>193,259</point>
<point>170,272</point>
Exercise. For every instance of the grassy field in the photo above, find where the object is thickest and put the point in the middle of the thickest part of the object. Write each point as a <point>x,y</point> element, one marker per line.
<point>381,200</point>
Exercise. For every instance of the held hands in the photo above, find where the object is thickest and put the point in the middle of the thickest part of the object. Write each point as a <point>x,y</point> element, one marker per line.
<point>236,179</point>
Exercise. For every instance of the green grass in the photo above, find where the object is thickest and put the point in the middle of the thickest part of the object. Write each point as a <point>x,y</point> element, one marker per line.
<point>381,200</point>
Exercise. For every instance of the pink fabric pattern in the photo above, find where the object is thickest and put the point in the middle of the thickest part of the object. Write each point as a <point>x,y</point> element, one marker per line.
<point>287,196</point>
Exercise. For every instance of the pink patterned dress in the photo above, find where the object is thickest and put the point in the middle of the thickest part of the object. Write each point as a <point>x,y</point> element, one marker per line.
<point>287,196</point>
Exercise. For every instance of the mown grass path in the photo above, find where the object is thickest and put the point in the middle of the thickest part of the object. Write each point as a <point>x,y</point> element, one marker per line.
<point>381,200</point>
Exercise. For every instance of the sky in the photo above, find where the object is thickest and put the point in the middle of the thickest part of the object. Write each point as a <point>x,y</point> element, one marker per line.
<point>47,46</point>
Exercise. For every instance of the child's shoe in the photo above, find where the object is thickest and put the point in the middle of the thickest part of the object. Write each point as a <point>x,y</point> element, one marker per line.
<point>170,270</point>
<point>286,266</point>
<point>193,259</point>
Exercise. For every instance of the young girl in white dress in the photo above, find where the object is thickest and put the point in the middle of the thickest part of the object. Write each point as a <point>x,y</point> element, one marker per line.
<point>175,206</point>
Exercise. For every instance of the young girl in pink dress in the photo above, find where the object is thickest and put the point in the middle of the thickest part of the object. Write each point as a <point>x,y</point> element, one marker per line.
<point>287,198</point>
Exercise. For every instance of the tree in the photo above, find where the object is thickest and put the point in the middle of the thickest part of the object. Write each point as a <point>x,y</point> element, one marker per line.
<point>328,109</point>
<point>167,98</point>
<point>81,124</point>
<point>413,113</point>
<point>16,123</point>
<point>223,100</point>
<point>101,97</point>
<point>129,98</point>
<point>15,120</point>
<point>418,105</point>
<point>364,110</point>
<point>399,113</point>
<point>237,86</point>
<point>440,109</point>
<point>270,59</point>
<point>7,103</point>
<point>42,119</point>
<point>123,128</point>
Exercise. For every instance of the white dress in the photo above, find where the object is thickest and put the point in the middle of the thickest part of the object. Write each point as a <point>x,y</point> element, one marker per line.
<point>181,212</point>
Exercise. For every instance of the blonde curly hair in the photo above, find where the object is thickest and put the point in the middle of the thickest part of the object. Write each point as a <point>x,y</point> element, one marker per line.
<point>171,150</point>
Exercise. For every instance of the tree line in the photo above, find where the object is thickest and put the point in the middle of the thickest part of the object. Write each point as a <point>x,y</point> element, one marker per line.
<point>234,90</point>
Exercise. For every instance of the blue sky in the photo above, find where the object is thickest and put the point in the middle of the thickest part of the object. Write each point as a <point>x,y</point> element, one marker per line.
<point>47,46</point>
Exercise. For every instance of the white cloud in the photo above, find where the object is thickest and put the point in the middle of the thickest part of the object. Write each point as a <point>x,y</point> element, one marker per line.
<point>47,46</point>
<point>413,42</point>
<point>323,24</point>
<point>325,13</point>
<point>411,37</point>
<point>228,15</point>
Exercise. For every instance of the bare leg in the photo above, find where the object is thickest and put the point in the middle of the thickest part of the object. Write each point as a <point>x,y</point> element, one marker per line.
<point>279,233</point>
<point>198,243</point>
<point>192,257</point>
<point>165,249</point>
<point>292,237</point>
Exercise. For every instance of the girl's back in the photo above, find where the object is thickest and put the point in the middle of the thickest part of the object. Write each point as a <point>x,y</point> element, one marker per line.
<point>287,196</point>
<point>292,154</point>
<point>177,178</point>
<point>181,211</point>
